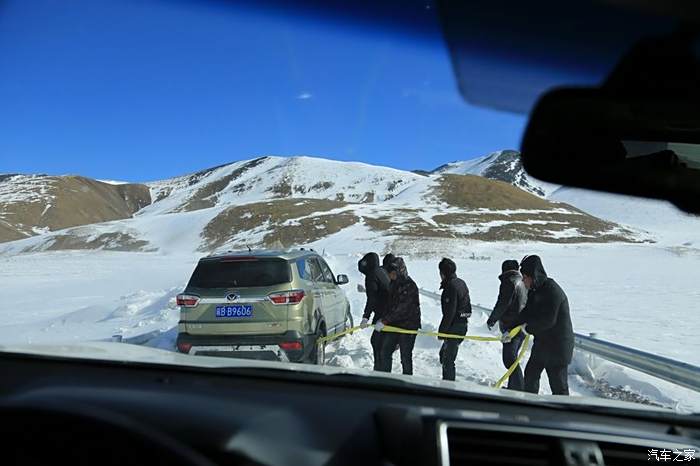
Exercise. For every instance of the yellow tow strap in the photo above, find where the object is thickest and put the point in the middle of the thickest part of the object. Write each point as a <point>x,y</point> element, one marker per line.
<point>391,329</point>
<point>512,368</point>
<point>349,331</point>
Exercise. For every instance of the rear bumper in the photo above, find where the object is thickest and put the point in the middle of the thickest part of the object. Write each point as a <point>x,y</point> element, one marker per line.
<point>265,347</point>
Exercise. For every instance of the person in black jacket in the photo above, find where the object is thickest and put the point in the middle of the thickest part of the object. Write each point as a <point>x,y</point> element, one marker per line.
<point>546,316</point>
<point>377,289</point>
<point>512,296</point>
<point>403,312</point>
<point>456,310</point>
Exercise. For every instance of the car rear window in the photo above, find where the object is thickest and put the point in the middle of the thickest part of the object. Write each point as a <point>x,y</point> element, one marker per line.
<point>235,273</point>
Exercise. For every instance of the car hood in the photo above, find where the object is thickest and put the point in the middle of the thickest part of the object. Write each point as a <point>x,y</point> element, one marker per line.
<point>129,353</point>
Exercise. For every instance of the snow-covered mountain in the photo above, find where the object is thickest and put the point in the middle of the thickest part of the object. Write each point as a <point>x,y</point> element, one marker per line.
<point>277,178</point>
<point>504,165</point>
<point>273,201</point>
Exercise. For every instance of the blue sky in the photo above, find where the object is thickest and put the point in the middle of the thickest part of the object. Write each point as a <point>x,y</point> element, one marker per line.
<point>143,90</point>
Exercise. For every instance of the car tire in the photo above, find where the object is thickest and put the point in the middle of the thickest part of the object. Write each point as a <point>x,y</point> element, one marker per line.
<point>317,355</point>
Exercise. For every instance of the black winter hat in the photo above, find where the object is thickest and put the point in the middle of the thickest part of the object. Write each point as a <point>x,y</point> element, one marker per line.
<point>510,264</point>
<point>447,267</point>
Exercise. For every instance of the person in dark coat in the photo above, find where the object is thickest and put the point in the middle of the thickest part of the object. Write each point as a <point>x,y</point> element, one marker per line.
<point>377,285</point>
<point>456,310</point>
<point>403,312</point>
<point>512,296</point>
<point>546,316</point>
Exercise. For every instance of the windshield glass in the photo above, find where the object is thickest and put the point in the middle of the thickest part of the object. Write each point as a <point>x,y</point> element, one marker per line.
<point>141,137</point>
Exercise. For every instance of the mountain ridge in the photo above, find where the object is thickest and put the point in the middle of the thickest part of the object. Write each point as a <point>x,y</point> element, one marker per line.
<point>302,200</point>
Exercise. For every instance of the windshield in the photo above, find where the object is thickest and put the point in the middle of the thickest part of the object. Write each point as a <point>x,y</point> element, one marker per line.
<point>303,154</point>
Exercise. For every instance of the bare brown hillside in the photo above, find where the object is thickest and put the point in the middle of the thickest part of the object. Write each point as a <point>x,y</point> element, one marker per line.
<point>477,192</point>
<point>458,207</point>
<point>287,221</point>
<point>30,205</point>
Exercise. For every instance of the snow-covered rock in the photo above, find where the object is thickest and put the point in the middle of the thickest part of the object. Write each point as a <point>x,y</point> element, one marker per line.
<point>504,165</point>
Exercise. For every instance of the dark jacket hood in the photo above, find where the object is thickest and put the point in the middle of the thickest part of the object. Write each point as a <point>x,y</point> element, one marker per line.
<point>388,259</point>
<point>368,263</point>
<point>448,268</point>
<point>532,267</point>
<point>400,267</point>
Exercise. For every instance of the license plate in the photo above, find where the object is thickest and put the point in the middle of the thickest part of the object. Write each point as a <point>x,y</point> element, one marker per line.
<point>235,311</point>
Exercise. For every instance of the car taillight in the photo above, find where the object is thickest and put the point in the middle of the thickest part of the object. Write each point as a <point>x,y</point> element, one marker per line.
<point>287,297</point>
<point>186,300</point>
<point>290,345</point>
<point>184,347</point>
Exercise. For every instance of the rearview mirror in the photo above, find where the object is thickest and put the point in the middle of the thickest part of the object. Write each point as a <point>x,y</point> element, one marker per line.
<point>638,134</point>
<point>342,280</point>
<point>590,139</point>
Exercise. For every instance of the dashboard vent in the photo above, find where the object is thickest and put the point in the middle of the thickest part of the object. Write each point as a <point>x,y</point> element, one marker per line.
<point>463,443</point>
<point>466,446</point>
<point>616,454</point>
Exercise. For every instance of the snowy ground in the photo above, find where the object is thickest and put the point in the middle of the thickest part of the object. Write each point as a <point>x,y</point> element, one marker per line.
<point>643,296</point>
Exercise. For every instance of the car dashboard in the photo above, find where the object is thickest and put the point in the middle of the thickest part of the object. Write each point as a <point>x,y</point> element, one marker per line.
<point>98,412</point>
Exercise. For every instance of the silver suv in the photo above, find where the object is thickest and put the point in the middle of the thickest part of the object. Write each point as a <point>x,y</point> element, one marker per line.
<point>265,304</point>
